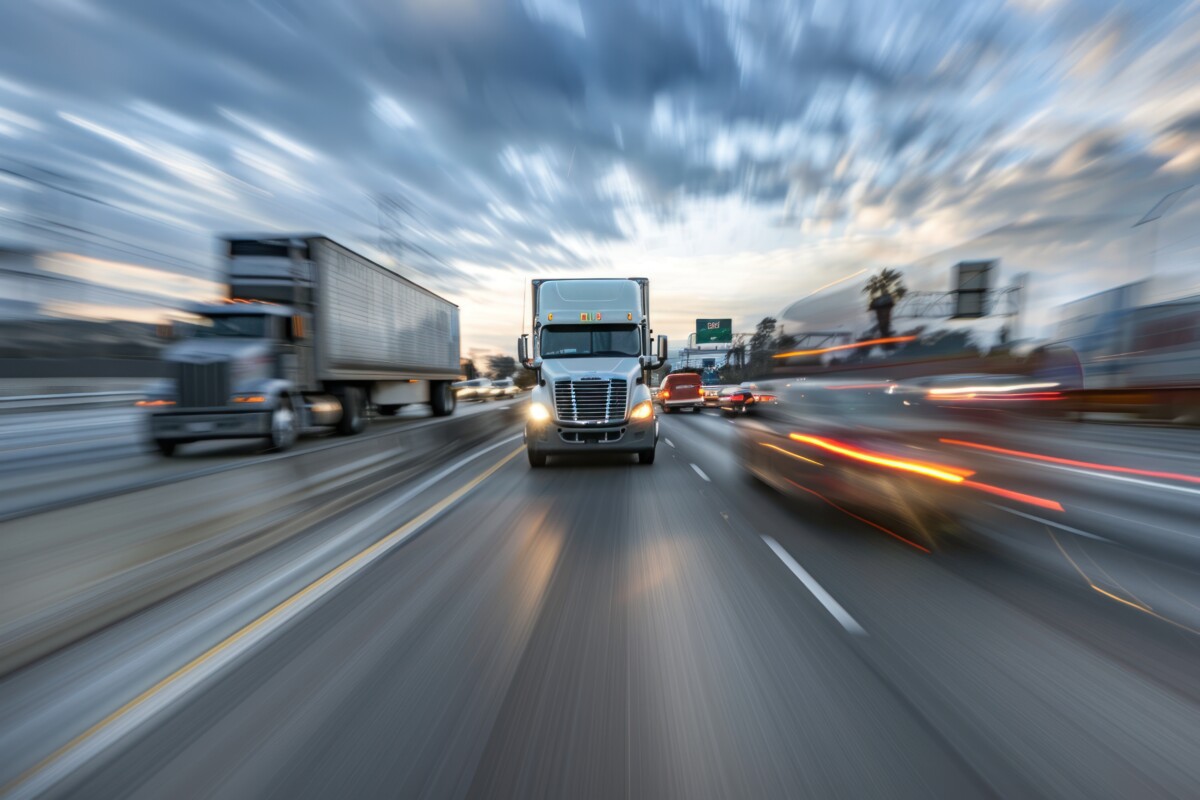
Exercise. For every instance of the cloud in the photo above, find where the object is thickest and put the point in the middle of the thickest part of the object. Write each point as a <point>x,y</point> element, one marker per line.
<point>477,140</point>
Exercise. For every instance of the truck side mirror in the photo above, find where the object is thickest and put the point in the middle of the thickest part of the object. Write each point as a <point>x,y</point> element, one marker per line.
<point>522,352</point>
<point>662,350</point>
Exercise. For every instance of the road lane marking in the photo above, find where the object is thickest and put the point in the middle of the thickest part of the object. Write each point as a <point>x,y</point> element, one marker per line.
<point>78,751</point>
<point>1058,525</point>
<point>823,597</point>
<point>700,472</point>
<point>668,441</point>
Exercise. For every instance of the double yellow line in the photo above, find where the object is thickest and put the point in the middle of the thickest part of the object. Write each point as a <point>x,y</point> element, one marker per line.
<point>296,602</point>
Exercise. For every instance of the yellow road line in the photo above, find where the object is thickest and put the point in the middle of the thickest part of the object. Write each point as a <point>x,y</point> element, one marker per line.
<point>250,628</point>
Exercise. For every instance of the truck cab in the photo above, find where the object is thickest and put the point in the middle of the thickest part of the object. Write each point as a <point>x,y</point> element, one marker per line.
<point>591,349</point>
<point>310,336</point>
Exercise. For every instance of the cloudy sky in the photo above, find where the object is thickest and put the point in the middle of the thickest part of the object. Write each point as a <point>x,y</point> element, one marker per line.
<point>741,154</point>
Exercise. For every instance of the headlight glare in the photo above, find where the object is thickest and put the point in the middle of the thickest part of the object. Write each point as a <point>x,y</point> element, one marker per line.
<point>643,410</point>
<point>538,413</point>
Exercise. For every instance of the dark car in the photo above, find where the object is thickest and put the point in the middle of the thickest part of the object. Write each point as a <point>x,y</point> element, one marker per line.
<point>859,448</point>
<point>736,399</point>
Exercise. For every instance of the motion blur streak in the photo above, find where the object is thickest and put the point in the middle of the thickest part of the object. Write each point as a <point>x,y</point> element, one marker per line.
<point>1140,606</point>
<point>1018,387</point>
<point>266,623</point>
<point>1011,495</point>
<point>939,471</point>
<point>852,346</point>
<point>790,453</point>
<point>1147,473</point>
<point>874,525</point>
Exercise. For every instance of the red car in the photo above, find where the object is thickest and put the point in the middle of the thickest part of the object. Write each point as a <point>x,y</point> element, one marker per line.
<point>681,390</point>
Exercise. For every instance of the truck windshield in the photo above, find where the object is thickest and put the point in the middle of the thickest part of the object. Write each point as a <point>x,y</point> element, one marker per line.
<point>240,325</point>
<point>579,341</point>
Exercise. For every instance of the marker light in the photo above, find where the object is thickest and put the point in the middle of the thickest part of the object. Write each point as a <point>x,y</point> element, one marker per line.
<point>538,413</point>
<point>643,410</point>
<point>145,403</point>
<point>249,398</point>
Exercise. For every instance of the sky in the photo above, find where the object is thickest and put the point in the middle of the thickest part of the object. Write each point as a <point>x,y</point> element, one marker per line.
<point>742,155</point>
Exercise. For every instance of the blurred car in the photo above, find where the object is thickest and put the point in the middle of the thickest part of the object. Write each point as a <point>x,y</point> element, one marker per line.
<point>681,390</point>
<point>735,399</point>
<point>505,387</point>
<point>712,395</point>
<point>861,449</point>
<point>474,389</point>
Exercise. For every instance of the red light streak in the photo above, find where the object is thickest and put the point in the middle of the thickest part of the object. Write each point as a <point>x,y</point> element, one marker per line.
<point>939,471</point>
<point>1041,502</point>
<point>1149,473</point>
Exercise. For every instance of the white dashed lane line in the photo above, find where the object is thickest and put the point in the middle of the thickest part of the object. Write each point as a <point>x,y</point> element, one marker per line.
<point>823,597</point>
<point>700,472</point>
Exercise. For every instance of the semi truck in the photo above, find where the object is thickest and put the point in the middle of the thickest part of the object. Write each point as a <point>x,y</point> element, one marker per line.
<point>310,337</point>
<point>591,349</point>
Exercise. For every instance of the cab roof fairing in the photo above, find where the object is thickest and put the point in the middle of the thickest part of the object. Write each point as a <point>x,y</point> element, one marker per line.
<point>583,301</point>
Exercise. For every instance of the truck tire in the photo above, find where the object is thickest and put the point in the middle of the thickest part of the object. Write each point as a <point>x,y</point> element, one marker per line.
<point>166,446</point>
<point>353,419</point>
<point>646,456</point>
<point>283,427</point>
<point>441,398</point>
<point>536,459</point>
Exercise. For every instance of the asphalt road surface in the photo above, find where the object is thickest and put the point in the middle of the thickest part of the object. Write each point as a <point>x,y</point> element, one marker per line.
<point>605,629</point>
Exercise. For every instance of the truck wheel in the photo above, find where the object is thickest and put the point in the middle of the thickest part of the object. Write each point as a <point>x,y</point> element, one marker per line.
<point>283,427</point>
<point>646,456</point>
<point>166,446</point>
<point>536,459</point>
<point>441,398</point>
<point>353,420</point>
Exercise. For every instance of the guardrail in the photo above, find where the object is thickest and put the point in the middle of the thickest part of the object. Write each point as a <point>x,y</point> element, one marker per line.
<point>46,402</point>
<point>69,572</point>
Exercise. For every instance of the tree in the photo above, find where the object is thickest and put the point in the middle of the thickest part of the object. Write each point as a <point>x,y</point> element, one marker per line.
<point>884,290</point>
<point>762,345</point>
<point>500,367</point>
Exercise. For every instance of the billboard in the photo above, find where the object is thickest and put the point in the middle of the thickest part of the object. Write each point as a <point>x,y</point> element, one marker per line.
<point>714,331</point>
<point>972,282</point>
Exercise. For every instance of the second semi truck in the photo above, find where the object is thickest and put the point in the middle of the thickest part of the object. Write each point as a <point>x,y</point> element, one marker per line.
<point>309,337</point>
<point>591,350</point>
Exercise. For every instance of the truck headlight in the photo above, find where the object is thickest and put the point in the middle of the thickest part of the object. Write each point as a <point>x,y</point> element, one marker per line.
<point>538,413</point>
<point>643,410</point>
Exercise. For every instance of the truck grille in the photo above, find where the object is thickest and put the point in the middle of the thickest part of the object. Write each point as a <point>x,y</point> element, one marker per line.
<point>590,400</point>
<point>203,385</point>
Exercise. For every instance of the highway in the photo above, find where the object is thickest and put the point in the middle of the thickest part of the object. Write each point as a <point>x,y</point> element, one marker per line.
<point>48,459</point>
<point>604,629</point>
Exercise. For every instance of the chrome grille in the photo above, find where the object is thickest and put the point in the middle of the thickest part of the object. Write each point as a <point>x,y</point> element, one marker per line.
<point>203,385</point>
<point>590,400</point>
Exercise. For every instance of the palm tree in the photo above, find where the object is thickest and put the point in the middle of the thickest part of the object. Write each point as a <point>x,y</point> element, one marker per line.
<point>885,290</point>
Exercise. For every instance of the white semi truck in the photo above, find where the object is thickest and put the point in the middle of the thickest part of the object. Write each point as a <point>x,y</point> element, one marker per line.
<point>310,335</point>
<point>591,350</point>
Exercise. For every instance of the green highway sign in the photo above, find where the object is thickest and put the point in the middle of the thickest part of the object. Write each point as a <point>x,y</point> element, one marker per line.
<point>714,331</point>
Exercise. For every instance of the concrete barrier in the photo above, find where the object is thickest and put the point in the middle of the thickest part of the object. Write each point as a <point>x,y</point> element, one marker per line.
<point>69,572</point>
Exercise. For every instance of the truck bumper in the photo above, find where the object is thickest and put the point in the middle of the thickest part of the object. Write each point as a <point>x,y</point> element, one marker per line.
<point>551,438</point>
<point>211,425</point>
